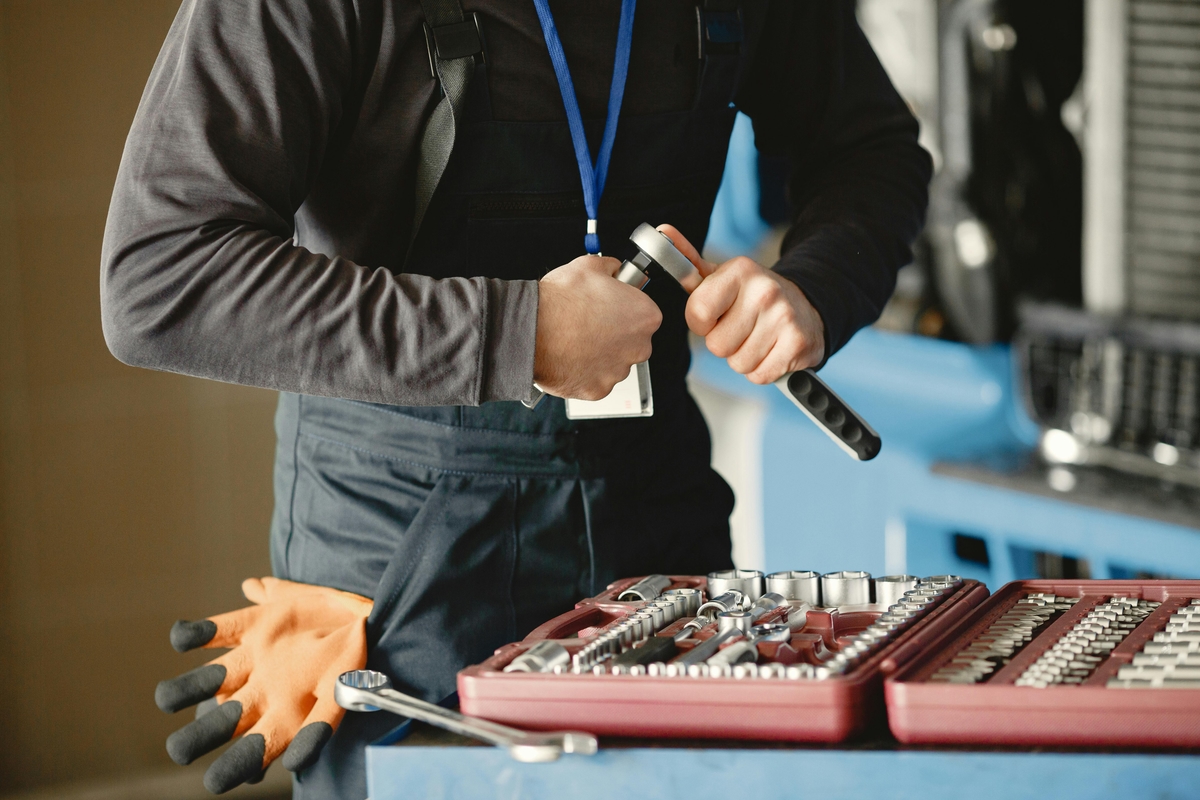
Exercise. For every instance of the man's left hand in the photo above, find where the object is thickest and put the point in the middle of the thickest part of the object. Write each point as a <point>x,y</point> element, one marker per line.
<point>757,320</point>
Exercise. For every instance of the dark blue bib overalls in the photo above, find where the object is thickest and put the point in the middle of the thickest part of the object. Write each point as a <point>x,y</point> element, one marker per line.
<point>471,526</point>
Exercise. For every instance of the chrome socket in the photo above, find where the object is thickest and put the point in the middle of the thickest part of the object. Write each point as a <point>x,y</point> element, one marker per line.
<point>645,590</point>
<point>801,585</point>
<point>739,620</point>
<point>542,657</point>
<point>890,589</point>
<point>845,588</point>
<point>747,581</point>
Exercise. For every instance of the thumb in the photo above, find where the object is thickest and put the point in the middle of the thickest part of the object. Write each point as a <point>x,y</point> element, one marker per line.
<point>256,590</point>
<point>689,251</point>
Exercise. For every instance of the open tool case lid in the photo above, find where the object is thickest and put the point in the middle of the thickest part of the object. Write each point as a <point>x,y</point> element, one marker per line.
<point>1089,713</point>
<point>814,710</point>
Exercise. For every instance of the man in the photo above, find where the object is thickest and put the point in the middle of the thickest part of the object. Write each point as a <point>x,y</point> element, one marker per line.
<point>262,232</point>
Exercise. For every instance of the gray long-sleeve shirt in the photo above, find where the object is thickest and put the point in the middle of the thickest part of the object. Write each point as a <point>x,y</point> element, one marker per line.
<point>264,200</point>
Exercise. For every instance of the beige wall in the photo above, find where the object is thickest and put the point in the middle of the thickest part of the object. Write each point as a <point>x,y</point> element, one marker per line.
<point>127,498</point>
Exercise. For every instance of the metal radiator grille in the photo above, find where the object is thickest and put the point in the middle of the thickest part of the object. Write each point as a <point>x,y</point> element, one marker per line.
<point>1163,223</point>
<point>1125,385</point>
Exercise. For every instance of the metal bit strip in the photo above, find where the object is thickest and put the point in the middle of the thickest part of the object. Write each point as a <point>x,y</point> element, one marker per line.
<point>1003,639</point>
<point>1170,660</point>
<point>1074,657</point>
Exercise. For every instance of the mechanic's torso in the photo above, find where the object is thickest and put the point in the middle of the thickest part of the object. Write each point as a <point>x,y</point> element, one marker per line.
<point>510,204</point>
<point>361,205</point>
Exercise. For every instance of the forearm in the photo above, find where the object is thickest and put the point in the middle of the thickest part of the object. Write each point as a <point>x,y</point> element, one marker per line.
<point>238,304</point>
<point>859,181</point>
<point>853,232</point>
<point>200,273</point>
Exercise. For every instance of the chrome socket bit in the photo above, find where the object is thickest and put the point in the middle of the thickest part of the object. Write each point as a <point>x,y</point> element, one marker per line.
<point>690,599</point>
<point>1003,639</point>
<point>1072,659</point>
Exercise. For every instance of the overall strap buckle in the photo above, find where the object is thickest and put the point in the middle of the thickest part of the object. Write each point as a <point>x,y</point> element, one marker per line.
<point>453,41</point>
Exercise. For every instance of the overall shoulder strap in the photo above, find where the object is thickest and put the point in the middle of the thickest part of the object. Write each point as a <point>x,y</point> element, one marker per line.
<point>453,41</point>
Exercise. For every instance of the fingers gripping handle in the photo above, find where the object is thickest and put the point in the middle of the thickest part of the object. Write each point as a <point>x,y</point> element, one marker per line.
<point>632,272</point>
<point>810,394</point>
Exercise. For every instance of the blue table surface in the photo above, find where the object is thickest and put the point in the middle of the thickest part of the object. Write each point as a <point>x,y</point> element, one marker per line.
<point>431,770</point>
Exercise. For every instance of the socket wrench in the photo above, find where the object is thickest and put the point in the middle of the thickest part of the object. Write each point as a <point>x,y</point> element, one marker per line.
<point>368,690</point>
<point>804,389</point>
<point>810,394</point>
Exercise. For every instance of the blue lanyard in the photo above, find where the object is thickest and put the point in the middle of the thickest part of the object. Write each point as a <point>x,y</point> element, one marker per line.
<point>592,178</point>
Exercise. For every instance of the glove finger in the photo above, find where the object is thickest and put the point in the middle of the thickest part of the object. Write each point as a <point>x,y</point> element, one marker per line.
<point>189,688</point>
<point>238,665</point>
<point>232,625</point>
<point>241,763</point>
<point>187,635</point>
<point>314,732</point>
<point>204,734</point>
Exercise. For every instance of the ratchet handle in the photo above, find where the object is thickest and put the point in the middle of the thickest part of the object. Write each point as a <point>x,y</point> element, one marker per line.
<point>811,395</point>
<point>832,414</point>
<point>632,272</point>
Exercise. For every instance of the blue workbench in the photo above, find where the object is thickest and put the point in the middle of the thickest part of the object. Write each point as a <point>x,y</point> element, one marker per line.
<point>649,773</point>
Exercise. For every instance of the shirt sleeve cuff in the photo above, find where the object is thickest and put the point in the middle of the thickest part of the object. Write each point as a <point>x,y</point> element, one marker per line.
<point>511,335</point>
<point>811,265</point>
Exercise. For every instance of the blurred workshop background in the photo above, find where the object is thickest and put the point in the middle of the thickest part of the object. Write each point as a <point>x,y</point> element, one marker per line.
<point>1035,379</point>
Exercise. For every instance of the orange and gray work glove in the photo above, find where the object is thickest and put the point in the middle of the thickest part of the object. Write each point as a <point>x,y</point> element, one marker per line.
<point>275,687</point>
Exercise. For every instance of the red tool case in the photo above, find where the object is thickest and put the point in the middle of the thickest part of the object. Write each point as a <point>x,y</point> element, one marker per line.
<point>802,710</point>
<point>999,712</point>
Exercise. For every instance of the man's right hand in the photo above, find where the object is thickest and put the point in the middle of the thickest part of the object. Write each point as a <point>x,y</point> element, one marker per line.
<point>591,329</point>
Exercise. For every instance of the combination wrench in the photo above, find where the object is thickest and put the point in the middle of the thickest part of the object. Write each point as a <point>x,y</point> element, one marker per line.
<point>368,690</point>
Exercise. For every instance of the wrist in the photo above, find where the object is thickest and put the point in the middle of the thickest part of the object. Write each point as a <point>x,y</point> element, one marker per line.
<point>808,319</point>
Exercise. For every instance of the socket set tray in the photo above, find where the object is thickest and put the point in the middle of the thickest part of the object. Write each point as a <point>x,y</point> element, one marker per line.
<point>735,655</point>
<point>1060,662</point>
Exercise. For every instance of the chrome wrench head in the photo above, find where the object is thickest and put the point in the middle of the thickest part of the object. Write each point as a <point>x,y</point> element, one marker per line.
<point>368,690</point>
<point>355,690</point>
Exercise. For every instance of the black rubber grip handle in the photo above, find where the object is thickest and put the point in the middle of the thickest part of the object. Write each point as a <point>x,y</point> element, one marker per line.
<point>831,413</point>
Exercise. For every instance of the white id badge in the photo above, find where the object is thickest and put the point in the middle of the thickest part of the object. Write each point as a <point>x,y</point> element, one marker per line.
<point>632,397</point>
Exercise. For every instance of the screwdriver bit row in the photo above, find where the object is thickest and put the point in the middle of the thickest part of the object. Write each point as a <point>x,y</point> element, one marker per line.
<point>1170,660</point>
<point>1077,653</point>
<point>1003,639</point>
